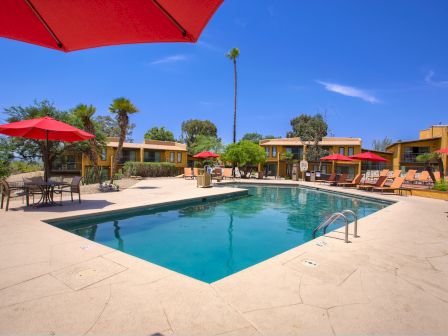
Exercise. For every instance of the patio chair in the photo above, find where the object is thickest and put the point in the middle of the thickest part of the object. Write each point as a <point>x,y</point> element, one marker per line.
<point>189,173</point>
<point>73,188</point>
<point>410,176</point>
<point>396,185</point>
<point>31,186</point>
<point>424,178</point>
<point>396,173</point>
<point>10,190</point>
<point>340,179</point>
<point>331,178</point>
<point>353,183</point>
<point>437,176</point>
<point>379,183</point>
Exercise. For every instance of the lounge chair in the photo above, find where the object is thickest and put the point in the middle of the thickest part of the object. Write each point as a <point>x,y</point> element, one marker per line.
<point>189,173</point>
<point>72,188</point>
<point>331,178</point>
<point>437,176</point>
<point>379,183</point>
<point>410,176</point>
<point>396,173</point>
<point>227,173</point>
<point>353,183</point>
<point>396,185</point>
<point>384,172</point>
<point>341,178</point>
<point>11,190</point>
<point>424,178</point>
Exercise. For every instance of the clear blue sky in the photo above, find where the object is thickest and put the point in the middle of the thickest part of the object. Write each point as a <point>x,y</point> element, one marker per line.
<point>377,67</point>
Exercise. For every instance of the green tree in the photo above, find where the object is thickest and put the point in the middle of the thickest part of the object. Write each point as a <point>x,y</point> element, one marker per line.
<point>161,134</point>
<point>110,128</point>
<point>207,143</point>
<point>245,154</point>
<point>5,157</point>
<point>427,158</point>
<point>381,145</point>
<point>254,137</point>
<point>310,130</point>
<point>192,128</point>
<point>233,54</point>
<point>84,113</point>
<point>121,107</point>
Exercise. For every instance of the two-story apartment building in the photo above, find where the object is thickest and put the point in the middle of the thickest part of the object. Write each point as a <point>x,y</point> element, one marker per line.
<point>148,151</point>
<point>404,153</point>
<point>278,165</point>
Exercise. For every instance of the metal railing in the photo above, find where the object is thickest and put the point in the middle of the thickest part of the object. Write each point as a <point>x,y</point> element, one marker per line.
<point>324,225</point>
<point>410,157</point>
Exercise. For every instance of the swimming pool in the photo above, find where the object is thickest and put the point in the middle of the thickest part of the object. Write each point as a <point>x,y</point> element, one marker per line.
<point>209,240</point>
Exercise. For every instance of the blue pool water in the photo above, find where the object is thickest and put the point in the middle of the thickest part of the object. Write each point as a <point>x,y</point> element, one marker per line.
<point>213,239</point>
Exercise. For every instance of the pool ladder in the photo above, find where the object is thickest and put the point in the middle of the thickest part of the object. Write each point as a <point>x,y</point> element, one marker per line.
<point>343,214</point>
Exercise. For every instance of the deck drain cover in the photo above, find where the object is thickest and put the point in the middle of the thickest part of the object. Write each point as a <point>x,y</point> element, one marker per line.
<point>321,243</point>
<point>86,273</point>
<point>309,263</point>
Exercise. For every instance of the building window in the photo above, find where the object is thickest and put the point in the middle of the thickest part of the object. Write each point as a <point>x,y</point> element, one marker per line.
<point>103,154</point>
<point>266,149</point>
<point>151,156</point>
<point>171,156</point>
<point>179,157</point>
<point>351,151</point>
<point>274,151</point>
<point>342,150</point>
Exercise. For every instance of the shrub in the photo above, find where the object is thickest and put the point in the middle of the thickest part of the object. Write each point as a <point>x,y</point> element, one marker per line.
<point>441,185</point>
<point>19,167</point>
<point>149,169</point>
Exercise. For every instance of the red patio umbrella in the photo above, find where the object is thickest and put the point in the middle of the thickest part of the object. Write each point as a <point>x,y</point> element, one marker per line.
<point>47,129</point>
<point>206,155</point>
<point>443,151</point>
<point>336,157</point>
<point>368,156</point>
<point>69,25</point>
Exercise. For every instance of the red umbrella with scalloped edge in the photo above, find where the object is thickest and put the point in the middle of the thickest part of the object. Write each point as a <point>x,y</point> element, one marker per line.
<point>443,151</point>
<point>206,155</point>
<point>336,157</point>
<point>368,156</point>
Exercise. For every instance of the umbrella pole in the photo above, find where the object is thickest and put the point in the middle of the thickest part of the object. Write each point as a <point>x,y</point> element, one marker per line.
<point>47,158</point>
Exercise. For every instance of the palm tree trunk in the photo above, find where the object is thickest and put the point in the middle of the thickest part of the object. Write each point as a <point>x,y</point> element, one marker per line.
<point>235,82</point>
<point>123,122</point>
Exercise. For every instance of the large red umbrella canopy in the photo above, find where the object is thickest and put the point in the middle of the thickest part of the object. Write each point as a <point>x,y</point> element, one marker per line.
<point>69,25</point>
<point>206,155</point>
<point>45,128</point>
<point>368,156</point>
<point>336,157</point>
<point>443,150</point>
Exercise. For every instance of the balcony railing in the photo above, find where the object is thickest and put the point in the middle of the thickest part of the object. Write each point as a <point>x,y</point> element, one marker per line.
<point>410,157</point>
<point>65,167</point>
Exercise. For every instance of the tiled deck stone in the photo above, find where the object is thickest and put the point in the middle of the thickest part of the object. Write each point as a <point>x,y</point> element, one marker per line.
<point>87,273</point>
<point>392,280</point>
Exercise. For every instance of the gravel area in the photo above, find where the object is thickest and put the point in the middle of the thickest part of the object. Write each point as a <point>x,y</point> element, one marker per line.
<point>123,184</point>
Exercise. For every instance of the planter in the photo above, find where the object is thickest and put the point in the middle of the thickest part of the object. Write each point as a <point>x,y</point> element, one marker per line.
<point>442,195</point>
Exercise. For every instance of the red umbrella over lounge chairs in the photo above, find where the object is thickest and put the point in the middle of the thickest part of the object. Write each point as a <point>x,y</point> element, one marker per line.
<point>69,25</point>
<point>336,157</point>
<point>47,129</point>
<point>443,151</point>
<point>206,155</point>
<point>368,156</point>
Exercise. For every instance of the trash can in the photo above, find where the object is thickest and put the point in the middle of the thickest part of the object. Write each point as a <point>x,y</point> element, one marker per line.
<point>204,180</point>
<point>307,175</point>
<point>312,177</point>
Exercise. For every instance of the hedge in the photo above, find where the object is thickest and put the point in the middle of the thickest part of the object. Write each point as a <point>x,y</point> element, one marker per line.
<point>149,169</point>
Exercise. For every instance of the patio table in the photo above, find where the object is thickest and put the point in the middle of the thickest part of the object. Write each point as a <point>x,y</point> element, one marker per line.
<point>47,189</point>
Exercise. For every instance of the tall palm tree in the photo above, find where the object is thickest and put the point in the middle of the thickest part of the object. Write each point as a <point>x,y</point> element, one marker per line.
<point>85,114</point>
<point>233,55</point>
<point>122,107</point>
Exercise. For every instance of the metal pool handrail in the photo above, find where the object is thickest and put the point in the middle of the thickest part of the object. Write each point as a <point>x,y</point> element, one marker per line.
<point>333,218</point>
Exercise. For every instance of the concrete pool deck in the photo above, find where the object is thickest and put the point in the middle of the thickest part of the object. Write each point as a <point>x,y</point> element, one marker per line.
<point>391,280</point>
